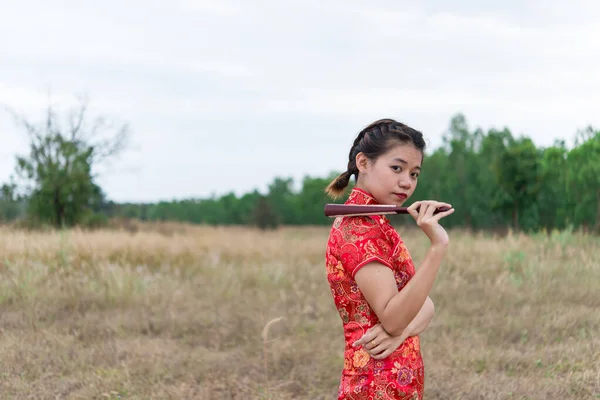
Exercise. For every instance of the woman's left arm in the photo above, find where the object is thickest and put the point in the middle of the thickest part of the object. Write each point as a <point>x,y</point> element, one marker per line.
<point>421,321</point>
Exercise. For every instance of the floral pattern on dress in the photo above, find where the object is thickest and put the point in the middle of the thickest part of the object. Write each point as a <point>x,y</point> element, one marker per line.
<point>354,242</point>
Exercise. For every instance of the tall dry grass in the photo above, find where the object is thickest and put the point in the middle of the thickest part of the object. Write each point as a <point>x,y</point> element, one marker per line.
<point>176,312</point>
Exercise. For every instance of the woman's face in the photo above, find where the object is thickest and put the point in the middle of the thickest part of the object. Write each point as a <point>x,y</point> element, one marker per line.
<point>392,178</point>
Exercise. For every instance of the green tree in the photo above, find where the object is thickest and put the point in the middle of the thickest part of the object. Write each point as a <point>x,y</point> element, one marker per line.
<point>462,170</point>
<point>584,178</point>
<point>264,214</point>
<point>312,198</point>
<point>518,177</point>
<point>58,175</point>
<point>553,199</point>
<point>10,204</point>
<point>281,197</point>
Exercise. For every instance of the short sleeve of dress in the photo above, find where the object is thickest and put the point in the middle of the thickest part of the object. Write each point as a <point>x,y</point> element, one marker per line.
<point>363,241</point>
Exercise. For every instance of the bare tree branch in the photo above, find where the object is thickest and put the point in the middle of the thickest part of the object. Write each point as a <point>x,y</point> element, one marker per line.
<point>19,119</point>
<point>111,147</point>
<point>76,119</point>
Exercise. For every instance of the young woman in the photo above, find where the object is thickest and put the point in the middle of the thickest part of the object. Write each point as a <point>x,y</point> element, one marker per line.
<point>384,305</point>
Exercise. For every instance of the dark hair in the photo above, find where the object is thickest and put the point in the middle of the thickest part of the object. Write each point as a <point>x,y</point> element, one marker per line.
<point>374,140</point>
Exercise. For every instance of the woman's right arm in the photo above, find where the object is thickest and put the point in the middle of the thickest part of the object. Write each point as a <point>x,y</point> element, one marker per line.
<point>396,309</point>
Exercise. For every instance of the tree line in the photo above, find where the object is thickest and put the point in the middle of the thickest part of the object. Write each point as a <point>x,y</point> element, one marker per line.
<point>493,179</point>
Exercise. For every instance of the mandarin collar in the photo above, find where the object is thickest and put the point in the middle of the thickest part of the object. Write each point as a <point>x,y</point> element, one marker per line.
<point>360,196</point>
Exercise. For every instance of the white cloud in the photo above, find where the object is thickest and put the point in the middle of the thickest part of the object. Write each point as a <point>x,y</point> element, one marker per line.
<point>216,7</point>
<point>22,97</point>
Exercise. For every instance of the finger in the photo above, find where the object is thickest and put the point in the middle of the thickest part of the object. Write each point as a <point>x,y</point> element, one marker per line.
<point>433,206</point>
<point>450,209</point>
<point>437,203</point>
<point>422,210</point>
<point>376,341</point>
<point>414,214</point>
<point>379,348</point>
<point>414,205</point>
<point>422,205</point>
<point>360,342</point>
<point>366,338</point>
<point>443,214</point>
<point>372,333</point>
<point>383,355</point>
<point>372,352</point>
<point>430,210</point>
<point>412,209</point>
<point>369,345</point>
<point>380,336</point>
<point>429,205</point>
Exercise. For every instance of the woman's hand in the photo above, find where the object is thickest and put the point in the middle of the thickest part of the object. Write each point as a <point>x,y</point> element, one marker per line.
<point>428,222</point>
<point>378,343</point>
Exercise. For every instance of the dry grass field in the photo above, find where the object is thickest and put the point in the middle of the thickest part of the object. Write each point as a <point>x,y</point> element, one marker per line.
<point>180,312</point>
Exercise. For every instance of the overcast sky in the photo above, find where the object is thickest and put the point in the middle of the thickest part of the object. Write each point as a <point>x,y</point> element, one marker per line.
<point>225,95</point>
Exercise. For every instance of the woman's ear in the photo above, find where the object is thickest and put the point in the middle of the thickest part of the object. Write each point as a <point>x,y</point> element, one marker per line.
<point>362,162</point>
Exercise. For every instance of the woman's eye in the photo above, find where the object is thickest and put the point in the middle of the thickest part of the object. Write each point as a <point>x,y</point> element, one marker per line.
<point>396,168</point>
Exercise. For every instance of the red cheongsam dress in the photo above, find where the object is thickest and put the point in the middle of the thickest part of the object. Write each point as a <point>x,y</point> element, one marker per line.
<point>354,242</point>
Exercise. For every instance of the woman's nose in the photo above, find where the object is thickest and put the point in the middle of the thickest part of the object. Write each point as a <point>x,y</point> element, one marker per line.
<point>405,183</point>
